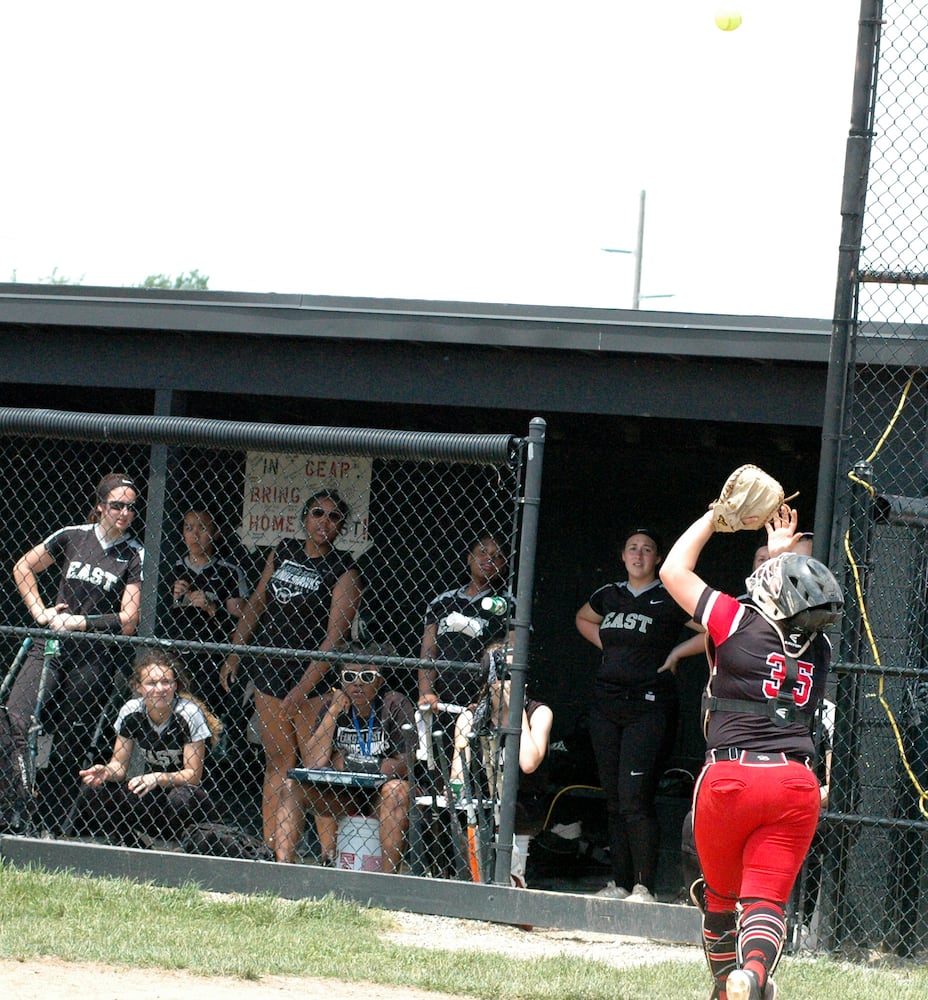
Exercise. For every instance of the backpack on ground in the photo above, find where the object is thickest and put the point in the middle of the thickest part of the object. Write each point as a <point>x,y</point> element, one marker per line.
<point>220,840</point>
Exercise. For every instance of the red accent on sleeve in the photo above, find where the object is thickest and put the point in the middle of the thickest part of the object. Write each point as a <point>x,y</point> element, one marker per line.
<point>721,616</point>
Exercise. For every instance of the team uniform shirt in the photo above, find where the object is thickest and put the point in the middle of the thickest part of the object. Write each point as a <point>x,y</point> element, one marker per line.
<point>637,632</point>
<point>378,737</point>
<point>163,746</point>
<point>466,646</point>
<point>95,574</point>
<point>221,581</point>
<point>749,664</point>
<point>299,600</point>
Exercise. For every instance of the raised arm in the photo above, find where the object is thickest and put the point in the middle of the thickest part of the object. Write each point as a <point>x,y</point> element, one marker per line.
<point>678,570</point>
<point>320,747</point>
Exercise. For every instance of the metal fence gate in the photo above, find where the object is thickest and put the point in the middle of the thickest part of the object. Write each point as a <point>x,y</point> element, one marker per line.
<point>434,532</point>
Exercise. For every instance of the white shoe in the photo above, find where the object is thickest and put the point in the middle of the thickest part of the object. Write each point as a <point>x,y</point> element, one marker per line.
<point>640,894</point>
<point>613,891</point>
<point>742,985</point>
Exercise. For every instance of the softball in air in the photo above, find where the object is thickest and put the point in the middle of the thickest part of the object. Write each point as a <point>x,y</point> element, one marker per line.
<point>728,20</point>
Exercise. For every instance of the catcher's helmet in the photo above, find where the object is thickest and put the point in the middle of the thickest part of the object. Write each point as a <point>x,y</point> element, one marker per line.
<point>798,588</point>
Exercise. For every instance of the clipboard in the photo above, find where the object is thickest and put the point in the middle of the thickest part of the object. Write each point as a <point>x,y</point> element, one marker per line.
<point>329,776</point>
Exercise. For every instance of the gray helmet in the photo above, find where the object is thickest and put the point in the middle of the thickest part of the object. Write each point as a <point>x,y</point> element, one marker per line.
<point>799,588</point>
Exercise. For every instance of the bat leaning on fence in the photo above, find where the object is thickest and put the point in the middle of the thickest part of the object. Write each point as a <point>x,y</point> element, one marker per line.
<point>15,783</point>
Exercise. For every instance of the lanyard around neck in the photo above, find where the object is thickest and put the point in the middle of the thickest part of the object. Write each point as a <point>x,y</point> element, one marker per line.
<point>365,747</point>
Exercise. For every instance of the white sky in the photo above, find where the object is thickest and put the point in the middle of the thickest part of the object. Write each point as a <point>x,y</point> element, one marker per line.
<point>480,152</point>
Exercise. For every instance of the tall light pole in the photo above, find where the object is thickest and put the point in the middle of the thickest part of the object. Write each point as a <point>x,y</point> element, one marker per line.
<point>638,253</point>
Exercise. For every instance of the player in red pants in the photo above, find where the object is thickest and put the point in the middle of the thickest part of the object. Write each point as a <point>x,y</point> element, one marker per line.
<point>757,799</point>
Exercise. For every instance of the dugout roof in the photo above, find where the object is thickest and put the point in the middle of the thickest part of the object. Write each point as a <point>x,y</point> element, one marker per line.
<point>750,369</point>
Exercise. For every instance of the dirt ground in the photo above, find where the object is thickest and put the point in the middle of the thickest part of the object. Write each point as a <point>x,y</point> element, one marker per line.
<point>91,981</point>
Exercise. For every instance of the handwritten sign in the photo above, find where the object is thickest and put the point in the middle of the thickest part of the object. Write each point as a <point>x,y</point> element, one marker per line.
<point>278,485</point>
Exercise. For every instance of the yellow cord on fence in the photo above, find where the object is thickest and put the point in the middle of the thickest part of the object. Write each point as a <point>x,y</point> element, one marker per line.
<point>881,684</point>
<point>865,618</point>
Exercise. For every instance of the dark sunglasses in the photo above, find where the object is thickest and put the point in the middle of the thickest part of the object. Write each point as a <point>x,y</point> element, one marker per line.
<point>335,516</point>
<point>364,676</point>
<point>120,505</point>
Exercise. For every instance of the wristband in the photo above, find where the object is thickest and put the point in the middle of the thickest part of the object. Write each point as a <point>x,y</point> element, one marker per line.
<point>103,623</point>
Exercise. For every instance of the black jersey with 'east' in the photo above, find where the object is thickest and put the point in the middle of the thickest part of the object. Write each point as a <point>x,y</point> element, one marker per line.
<point>94,575</point>
<point>163,746</point>
<point>637,632</point>
<point>749,664</point>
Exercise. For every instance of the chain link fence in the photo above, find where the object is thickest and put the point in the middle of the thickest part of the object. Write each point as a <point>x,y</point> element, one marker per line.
<point>864,884</point>
<point>305,590</point>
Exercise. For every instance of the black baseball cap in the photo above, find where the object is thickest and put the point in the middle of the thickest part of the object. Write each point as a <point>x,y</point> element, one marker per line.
<point>650,532</point>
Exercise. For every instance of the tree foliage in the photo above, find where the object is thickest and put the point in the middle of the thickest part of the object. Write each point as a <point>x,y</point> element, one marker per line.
<point>185,280</point>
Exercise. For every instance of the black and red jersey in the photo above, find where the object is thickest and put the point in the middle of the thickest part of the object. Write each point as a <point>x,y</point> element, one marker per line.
<point>749,664</point>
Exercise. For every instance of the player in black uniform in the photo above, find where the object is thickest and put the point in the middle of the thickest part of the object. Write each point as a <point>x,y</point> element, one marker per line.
<point>757,800</point>
<point>99,591</point>
<point>459,628</point>
<point>633,717</point>
<point>307,598</point>
<point>207,598</point>
<point>171,729</point>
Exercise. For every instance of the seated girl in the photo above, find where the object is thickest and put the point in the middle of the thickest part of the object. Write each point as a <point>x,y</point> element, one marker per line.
<point>171,730</point>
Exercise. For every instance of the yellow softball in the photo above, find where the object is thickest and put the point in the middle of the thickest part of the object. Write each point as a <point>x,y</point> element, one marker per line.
<point>728,20</point>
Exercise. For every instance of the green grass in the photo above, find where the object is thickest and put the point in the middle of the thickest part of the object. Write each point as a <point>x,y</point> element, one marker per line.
<point>121,922</point>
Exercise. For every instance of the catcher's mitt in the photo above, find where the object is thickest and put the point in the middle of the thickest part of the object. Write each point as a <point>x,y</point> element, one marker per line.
<point>749,498</point>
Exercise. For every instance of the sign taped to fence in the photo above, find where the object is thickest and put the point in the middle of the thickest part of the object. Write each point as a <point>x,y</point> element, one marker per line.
<point>277,485</point>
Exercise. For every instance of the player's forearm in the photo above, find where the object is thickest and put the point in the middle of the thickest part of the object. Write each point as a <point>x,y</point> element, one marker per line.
<point>427,683</point>
<point>681,560</point>
<point>320,747</point>
<point>28,586</point>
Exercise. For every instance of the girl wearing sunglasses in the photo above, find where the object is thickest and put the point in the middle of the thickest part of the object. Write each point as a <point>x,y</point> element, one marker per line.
<point>99,591</point>
<point>359,727</point>
<point>306,599</point>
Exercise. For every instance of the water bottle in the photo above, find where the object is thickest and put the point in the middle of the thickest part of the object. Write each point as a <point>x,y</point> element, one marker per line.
<point>495,605</point>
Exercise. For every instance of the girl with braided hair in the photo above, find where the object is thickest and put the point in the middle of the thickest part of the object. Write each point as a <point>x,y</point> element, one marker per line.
<point>757,799</point>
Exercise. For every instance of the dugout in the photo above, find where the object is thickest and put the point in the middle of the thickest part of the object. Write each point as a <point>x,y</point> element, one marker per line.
<point>646,412</point>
